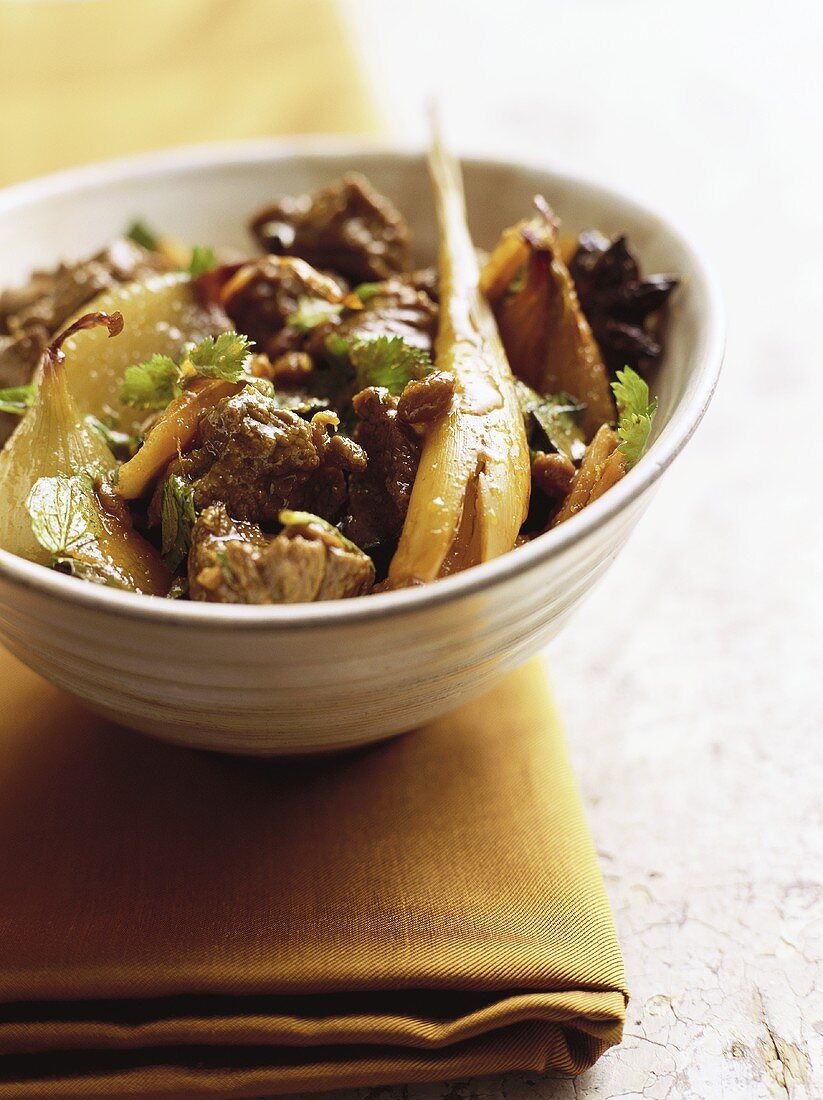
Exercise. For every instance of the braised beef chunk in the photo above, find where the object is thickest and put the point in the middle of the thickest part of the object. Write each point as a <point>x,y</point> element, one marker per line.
<point>347,227</point>
<point>619,303</point>
<point>31,314</point>
<point>235,562</point>
<point>422,402</point>
<point>257,458</point>
<point>425,279</point>
<point>379,495</point>
<point>51,298</point>
<point>260,298</point>
<point>552,474</point>
<point>392,308</point>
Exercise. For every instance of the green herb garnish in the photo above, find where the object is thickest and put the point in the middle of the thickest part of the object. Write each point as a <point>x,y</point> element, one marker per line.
<point>634,412</point>
<point>224,356</point>
<point>63,511</point>
<point>557,416</point>
<point>17,400</point>
<point>177,517</point>
<point>366,291</point>
<point>310,521</point>
<point>140,233</point>
<point>121,444</point>
<point>312,312</point>
<point>153,384</point>
<point>203,259</point>
<point>388,361</point>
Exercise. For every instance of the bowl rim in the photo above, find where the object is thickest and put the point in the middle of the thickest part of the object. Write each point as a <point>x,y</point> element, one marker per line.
<point>680,428</point>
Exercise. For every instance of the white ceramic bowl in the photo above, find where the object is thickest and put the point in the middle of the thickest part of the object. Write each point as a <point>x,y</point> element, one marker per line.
<point>320,676</point>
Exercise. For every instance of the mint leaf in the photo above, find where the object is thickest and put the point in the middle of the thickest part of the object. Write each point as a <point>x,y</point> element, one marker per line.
<point>177,518</point>
<point>557,416</point>
<point>63,512</point>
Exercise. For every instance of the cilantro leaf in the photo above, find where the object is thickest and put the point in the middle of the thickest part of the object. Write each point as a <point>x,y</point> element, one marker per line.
<point>17,399</point>
<point>141,234</point>
<point>634,413</point>
<point>389,362</point>
<point>151,385</point>
<point>63,513</point>
<point>177,517</point>
<point>222,356</point>
<point>203,259</point>
<point>312,312</point>
<point>556,416</point>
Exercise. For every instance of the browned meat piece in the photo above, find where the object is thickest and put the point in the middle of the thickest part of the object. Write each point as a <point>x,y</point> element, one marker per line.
<point>260,297</point>
<point>257,458</point>
<point>234,562</point>
<point>347,227</point>
<point>51,298</point>
<point>392,309</point>
<point>379,496</point>
<point>425,279</point>
<point>621,306</point>
<point>292,370</point>
<point>31,314</point>
<point>427,400</point>
<point>553,474</point>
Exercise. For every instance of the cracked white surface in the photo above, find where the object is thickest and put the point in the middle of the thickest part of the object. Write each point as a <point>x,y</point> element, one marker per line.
<point>692,681</point>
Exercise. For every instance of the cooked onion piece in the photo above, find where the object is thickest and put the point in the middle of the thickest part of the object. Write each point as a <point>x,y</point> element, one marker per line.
<point>52,440</point>
<point>161,316</point>
<point>170,434</point>
<point>545,333</point>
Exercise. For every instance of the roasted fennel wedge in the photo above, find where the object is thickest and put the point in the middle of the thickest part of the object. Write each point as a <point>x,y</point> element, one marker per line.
<point>471,493</point>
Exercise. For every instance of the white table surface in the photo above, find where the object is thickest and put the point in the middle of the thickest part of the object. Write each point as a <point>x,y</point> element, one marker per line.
<point>692,680</point>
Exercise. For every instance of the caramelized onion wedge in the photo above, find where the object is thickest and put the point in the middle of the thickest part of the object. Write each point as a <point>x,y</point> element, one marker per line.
<point>53,440</point>
<point>138,564</point>
<point>546,335</point>
<point>161,316</point>
<point>171,434</point>
<point>471,493</point>
<point>602,467</point>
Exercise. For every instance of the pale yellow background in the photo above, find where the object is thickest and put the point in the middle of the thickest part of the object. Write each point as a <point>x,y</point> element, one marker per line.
<point>82,80</point>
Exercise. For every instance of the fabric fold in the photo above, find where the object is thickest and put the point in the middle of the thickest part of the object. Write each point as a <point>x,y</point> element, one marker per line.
<point>176,923</point>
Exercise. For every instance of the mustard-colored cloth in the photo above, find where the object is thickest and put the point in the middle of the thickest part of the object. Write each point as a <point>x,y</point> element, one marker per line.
<point>177,923</point>
<point>84,80</point>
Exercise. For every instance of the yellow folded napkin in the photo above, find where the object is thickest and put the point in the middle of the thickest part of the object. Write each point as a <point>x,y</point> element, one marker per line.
<point>176,923</point>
